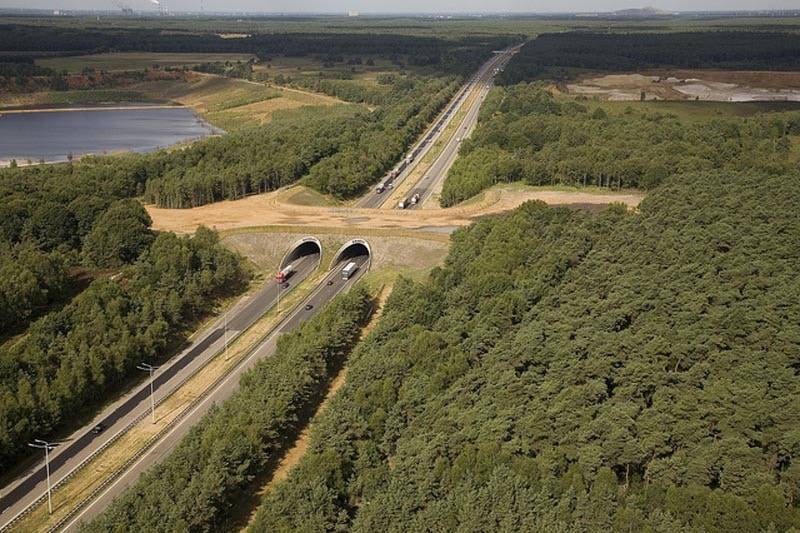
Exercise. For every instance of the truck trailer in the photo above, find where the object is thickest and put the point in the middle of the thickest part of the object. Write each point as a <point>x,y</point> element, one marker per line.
<point>284,273</point>
<point>349,270</point>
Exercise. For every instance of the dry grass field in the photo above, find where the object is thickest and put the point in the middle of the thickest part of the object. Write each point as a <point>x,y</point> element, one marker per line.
<point>231,103</point>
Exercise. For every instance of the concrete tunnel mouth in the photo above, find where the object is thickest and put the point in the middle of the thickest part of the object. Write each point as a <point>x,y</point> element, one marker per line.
<point>351,249</point>
<point>302,248</point>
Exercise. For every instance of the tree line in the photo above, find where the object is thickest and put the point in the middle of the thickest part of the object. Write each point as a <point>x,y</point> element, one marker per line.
<point>446,55</point>
<point>58,222</point>
<point>567,371</point>
<point>525,134</point>
<point>338,151</point>
<point>195,487</point>
<point>52,222</point>
<point>630,51</point>
<point>70,359</point>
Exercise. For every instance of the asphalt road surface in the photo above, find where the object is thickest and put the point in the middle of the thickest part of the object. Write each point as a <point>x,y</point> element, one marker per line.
<point>31,484</point>
<point>329,287</point>
<point>480,79</point>
<point>439,168</point>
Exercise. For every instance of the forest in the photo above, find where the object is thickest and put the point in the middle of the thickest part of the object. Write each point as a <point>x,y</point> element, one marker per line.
<point>450,56</point>
<point>552,53</point>
<point>75,345</point>
<point>568,371</point>
<point>338,151</point>
<point>525,134</point>
<point>195,488</point>
<point>72,358</point>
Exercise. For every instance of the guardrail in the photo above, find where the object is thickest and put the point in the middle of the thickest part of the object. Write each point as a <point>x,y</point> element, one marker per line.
<point>118,435</point>
<point>148,444</point>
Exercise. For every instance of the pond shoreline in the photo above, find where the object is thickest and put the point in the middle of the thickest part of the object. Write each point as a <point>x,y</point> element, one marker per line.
<point>115,107</point>
<point>62,135</point>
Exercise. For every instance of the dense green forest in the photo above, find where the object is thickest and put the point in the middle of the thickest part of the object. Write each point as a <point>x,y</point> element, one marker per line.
<point>452,56</point>
<point>195,488</point>
<point>627,371</point>
<point>552,52</point>
<point>55,219</point>
<point>340,151</point>
<point>525,134</point>
<point>72,358</point>
<point>47,213</point>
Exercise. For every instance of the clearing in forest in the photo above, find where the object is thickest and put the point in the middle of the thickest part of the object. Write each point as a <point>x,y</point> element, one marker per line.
<point>271,209</point>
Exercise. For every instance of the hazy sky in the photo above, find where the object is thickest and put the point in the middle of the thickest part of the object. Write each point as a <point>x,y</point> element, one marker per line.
<point>371,6</point>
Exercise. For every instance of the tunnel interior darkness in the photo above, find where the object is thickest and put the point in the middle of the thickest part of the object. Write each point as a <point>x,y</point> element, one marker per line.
<point>351,250</point>
<point>308,246</point>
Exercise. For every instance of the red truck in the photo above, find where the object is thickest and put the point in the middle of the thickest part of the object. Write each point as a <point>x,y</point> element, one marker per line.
<point>284,274</point>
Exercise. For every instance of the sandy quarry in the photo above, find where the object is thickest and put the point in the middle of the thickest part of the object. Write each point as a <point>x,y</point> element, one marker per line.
<point>272,209</point>
<point>709,85</point>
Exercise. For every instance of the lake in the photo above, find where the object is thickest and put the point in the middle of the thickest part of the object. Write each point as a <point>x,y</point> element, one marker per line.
<point>53,135</point>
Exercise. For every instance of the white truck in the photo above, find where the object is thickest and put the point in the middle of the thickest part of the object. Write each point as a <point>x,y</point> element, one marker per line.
<point>349,269</point>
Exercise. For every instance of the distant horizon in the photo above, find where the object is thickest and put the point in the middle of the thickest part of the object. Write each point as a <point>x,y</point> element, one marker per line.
<point>345,13</point>
<point>389,8</point>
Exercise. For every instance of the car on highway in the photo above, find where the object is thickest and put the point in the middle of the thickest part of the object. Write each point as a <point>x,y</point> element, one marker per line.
<point>99,428</point>
<point>309,307</point>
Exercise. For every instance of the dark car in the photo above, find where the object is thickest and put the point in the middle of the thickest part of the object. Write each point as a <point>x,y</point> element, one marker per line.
<point>98,429</point>
<point>330,282</point>
<point>309,307</point>
<point>285,285</point>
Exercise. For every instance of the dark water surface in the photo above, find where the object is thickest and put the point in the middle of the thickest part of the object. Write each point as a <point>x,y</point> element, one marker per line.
<point>53,135</point>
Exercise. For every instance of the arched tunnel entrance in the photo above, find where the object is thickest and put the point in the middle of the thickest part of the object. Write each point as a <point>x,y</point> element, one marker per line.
<point>306,250</point>
<point>357,251</point>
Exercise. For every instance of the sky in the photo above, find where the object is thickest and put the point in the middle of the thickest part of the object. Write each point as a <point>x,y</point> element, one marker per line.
<point>405,6</point>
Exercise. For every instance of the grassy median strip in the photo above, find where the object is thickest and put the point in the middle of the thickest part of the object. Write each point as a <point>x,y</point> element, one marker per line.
<point>139,437</point>
<point>404,188</point>
<point>202,478</point>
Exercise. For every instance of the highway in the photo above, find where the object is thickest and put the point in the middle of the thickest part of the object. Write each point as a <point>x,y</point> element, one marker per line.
<point>329,287</point>
<point>117,417</point>
<point>481,80</point>
<point>437,172</point>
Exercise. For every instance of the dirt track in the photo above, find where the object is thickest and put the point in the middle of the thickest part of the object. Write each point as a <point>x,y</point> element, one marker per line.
<point>273,209</point>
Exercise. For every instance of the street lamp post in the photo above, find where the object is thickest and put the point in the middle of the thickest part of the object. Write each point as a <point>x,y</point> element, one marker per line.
<point>151,369</point>
<point>46,446</point>
<point>226,333</point>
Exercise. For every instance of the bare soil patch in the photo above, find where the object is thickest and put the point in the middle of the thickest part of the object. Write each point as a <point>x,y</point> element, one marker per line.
<point>707,85</point>
<point>271,209</point>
